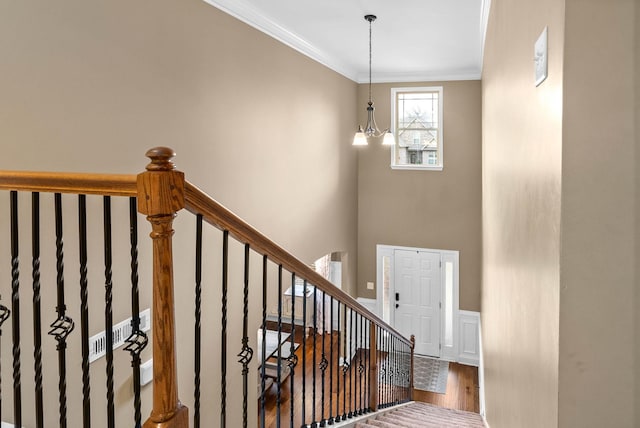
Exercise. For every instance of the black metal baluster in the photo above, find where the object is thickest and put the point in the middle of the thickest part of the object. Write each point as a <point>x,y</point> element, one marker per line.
<point>389,370</point>
<point>63,325</point>
<point>279,354</point>
<point>246,353</point>
<point>4,315</point>
<point>137,340</point>
<point>351,358</point>
<point>198,324</point>
<point>356,357</point>
<point>399,373</point>
<point>37,317</point>
<point>264,342</point>
<point>386,368</point>
<point>393,369</point>
<point>223,344</point>
<point>314,423</point>
<point>367,365</point>
<point>108,310</point>
<point>15,311</point>
<point>382,369</point>
<point>292,360</point>
<point>323,361</point>
<point>378,362</point>
<point>84,311</point>
<point>304,353</point>
<point>401,367</point>
<point>338,416</point>
<point>345,367</point>
<point>332,362</point>
<point>407,368</point>
<point>398,376</point>
<point>360,365</point>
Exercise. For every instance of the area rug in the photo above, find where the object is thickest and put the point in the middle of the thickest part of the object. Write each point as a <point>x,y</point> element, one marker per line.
<point>430,374</point>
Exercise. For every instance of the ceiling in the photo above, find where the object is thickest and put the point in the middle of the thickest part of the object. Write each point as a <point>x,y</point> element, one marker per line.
<point>413,40</point>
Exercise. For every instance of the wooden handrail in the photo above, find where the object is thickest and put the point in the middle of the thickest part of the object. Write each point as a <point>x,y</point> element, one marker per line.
<point>198,202</point>
<point>64,182</point>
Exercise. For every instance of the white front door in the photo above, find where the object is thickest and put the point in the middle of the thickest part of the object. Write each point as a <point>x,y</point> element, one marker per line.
<point>416,298</point>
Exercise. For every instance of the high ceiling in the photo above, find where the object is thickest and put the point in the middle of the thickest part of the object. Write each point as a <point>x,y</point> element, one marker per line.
<point>413,40</point>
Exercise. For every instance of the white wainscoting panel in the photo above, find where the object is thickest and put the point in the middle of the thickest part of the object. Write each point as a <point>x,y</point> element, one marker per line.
<point>372,305</point>
<point>469,337</point>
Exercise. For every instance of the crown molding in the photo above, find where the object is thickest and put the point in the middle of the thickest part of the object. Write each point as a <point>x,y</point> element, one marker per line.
<point>484,22</point>
<point>246,13</point>
<point>419,77</point>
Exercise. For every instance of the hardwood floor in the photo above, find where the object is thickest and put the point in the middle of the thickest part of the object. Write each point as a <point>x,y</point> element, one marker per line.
<point>462,389</point>
<point>463,392</point>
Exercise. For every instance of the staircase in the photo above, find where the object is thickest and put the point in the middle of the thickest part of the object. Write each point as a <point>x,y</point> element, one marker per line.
<point>423,415</point>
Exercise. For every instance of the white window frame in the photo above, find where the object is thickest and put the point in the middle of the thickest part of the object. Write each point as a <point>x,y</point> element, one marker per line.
<point>394,94</point>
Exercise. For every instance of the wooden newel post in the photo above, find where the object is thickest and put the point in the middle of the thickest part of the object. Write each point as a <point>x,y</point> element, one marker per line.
<point>160,197</point>
<point>373,368</point>
<point>413,346</point>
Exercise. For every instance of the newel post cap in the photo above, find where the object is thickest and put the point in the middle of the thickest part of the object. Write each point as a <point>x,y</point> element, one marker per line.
<point>161,186</point>
<point>160,159</point>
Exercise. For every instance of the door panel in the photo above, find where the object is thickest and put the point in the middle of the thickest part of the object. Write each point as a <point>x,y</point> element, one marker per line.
<point>417,308</point>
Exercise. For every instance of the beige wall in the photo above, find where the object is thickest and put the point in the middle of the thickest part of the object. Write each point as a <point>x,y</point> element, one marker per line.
<point>426,209</point>
<point>90,86</point>
<point>522,143</point>
<point>597,258</point>
<point>559,285</point>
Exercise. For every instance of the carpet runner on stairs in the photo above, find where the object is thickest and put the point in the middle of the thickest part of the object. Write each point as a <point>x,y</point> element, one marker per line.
<point>423,415</point>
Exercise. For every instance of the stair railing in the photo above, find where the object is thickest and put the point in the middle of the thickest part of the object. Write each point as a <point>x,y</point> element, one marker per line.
<point>350,362</point>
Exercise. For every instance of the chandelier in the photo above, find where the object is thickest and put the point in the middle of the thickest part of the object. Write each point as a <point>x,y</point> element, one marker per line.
<point>371,129</point>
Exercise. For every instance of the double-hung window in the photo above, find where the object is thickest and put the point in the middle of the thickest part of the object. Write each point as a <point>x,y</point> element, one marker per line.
<point>417,126</point>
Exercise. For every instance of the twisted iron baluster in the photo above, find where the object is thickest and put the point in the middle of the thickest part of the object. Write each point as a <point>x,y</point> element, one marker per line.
<point>246,353</point>
<point>314,423</point>
<point>4,315</point>
<point>360,364</point>
<point>383,370</point>
<point>137,340</point>
<point>338,417</point>
<point>108,310</point>
<point>330,420</point>
<point>84,311</point>
<point>397,364</point>
<point>15,311</point>
<point>264,342</point>
<point>37,318</point>
<point>63,325</point>
<point>345,369</point>
<point>323,360</point>
<point>292,360</point>
<point>198,326</point>
<point>351,382</point>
